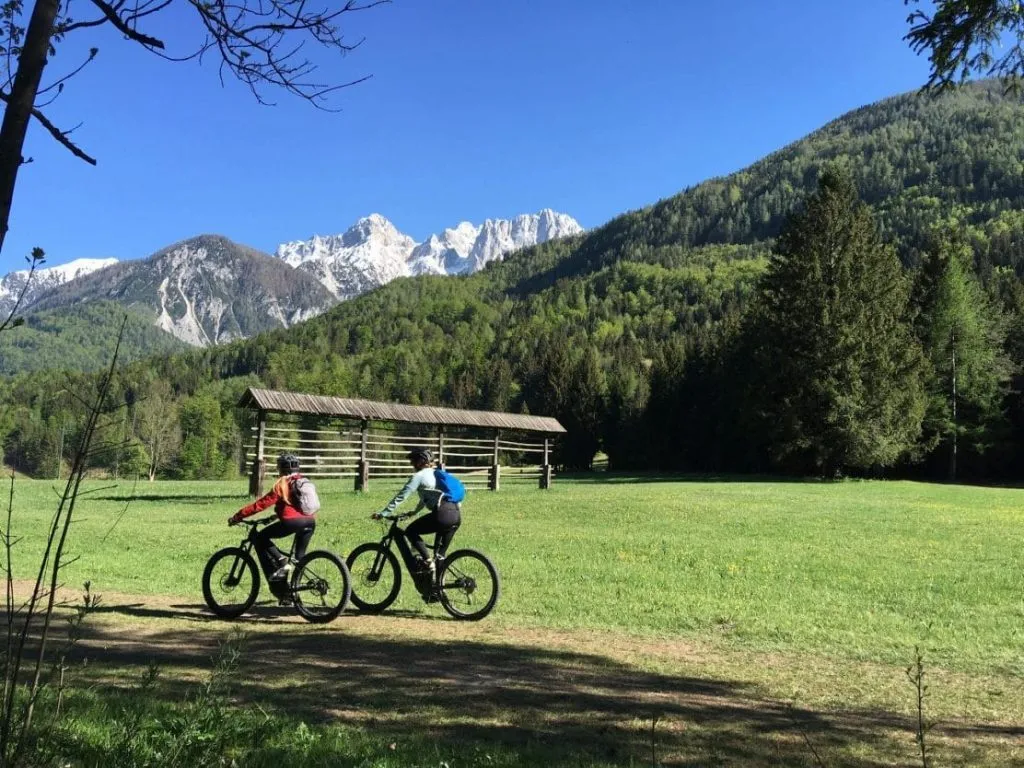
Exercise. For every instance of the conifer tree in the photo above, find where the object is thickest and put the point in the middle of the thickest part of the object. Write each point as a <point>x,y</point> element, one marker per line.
<point>841,367</point>
<point>962,333</point>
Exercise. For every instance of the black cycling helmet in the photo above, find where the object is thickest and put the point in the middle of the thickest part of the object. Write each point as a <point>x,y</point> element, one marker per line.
<point>420,456</point>
<point>287,463</point>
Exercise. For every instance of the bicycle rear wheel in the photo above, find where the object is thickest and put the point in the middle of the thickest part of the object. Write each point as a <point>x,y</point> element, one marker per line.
<point>376,577</point>
<point>231,582</point>
<point>468,586</point>
<point>320,587</point>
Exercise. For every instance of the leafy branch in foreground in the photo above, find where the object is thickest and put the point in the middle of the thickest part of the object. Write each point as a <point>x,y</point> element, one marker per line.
<point>965,37</point>
<point>915,673</point>
<point>32,619</point>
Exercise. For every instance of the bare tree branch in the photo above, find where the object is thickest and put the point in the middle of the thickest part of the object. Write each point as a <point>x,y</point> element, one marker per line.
<point>81,25</point>
<point>249,41</point>
<point>58,538</point>
<point>59,84</point>
<point>111,14</point>
<point>37,258</point>
<point>260,43</point>
<point>57,133</point>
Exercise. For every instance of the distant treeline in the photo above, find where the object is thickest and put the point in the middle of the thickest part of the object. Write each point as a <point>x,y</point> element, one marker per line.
<point>810,315</point>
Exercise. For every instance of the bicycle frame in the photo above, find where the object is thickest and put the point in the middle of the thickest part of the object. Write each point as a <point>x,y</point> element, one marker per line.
<point>249,544</point>
<point>397,535</point>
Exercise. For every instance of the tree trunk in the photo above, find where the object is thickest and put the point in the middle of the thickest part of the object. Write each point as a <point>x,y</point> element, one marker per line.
<point>18,111</point>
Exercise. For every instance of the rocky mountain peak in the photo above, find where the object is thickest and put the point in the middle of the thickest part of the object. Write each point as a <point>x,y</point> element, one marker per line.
<point>373,251</point>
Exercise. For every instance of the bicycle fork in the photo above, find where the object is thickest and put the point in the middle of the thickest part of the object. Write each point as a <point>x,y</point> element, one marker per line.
<point>234,577</point>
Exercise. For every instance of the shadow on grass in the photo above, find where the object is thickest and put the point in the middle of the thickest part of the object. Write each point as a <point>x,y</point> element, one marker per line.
<point>598,477</point>
<point>574,708</point>
<point>624,478</point>
<point>182,498</point>
<point>263,612</point>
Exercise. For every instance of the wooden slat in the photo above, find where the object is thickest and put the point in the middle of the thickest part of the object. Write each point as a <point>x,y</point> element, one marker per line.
<point>307,441</point>
<point>512,444</point>
<point>319,405</point>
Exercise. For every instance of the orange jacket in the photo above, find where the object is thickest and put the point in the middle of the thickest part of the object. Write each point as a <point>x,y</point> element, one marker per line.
<point>281,497</point>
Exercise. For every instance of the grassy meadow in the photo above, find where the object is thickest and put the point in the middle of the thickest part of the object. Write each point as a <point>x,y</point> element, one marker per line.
<point>627,603</point>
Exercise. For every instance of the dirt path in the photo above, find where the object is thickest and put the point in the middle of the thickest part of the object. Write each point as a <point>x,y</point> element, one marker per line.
<point>485,683</point>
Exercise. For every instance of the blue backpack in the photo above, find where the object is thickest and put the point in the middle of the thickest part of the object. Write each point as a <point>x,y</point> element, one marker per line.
<point>449,485</point>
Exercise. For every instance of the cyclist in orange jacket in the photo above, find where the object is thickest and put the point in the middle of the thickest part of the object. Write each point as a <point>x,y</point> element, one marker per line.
<point>290,520</point>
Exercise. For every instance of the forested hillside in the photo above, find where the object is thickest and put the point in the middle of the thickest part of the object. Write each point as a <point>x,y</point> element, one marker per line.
<point>82,337</point>
<point>628,333</point>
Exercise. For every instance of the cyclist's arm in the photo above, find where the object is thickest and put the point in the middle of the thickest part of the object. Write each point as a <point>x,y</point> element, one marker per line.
<point>409,488</point>
<point>268,500</point>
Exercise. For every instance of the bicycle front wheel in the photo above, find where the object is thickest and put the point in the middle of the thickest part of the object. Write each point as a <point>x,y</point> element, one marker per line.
<point>231,582</point>
<point>376,577</point>
<point>468,586</point>
<point>321,587</point>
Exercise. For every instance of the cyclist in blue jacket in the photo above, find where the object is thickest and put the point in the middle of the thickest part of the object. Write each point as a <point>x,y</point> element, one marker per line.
<point>444,518</point>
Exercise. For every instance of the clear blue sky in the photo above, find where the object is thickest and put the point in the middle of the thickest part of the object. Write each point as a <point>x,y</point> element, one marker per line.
<point>476,109</point>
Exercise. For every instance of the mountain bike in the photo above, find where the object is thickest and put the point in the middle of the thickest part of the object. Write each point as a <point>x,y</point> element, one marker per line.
<point>319,587</point>
<point>466,584</point>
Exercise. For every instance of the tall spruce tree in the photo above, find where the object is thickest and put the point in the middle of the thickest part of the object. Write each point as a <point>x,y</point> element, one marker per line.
<point>962,332</point>
<point>841,367</point>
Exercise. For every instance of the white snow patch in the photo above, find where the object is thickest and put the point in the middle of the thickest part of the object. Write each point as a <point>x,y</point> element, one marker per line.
<point>373,252</point>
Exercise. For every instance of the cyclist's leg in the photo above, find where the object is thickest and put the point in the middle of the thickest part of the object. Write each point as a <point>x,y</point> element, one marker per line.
<point>416,530</point>
<point>443,540</point>
<point>270,556</point>
<point>449,518</point>
<point>303,533</point>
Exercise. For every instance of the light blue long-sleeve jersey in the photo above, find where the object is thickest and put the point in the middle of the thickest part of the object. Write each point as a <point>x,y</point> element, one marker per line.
<point>425,485</point>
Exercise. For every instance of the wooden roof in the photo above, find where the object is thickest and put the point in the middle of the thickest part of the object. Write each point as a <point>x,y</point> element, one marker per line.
<point>343,407</point>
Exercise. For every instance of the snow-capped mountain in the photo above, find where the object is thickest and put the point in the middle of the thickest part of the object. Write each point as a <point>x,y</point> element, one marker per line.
<point>369,254</point>
<point>207,290</point>
<point>374,252</point>
<point>498,237</point>
<point>444,254</point>
<point>45,279</point>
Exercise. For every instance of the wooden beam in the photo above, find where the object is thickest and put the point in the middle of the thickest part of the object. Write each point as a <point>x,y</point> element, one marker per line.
<point>363,467</point>
<point>545,469</point>
<point>494,481</point>
<point>259,464</point>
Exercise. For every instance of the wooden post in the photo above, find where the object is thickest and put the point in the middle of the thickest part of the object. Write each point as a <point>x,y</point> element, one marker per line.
<point>258,464</point>
<point>440,445</point>
<point>363,467</point>
<point>545,468</point>
<point>495,479</point>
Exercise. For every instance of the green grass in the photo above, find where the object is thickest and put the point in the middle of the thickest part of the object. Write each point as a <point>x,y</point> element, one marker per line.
<point>717,604</point>
<point>856,570</point>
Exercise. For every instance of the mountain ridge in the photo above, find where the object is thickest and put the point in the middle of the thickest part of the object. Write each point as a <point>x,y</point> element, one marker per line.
<point>372,252</point>
<point>44,279</point>
<point>191,293</point>
<point>203,290</point>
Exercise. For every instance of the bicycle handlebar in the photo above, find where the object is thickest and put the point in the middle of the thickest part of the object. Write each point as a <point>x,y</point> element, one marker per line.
<point>395,518</point>
<point>257,521</point>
